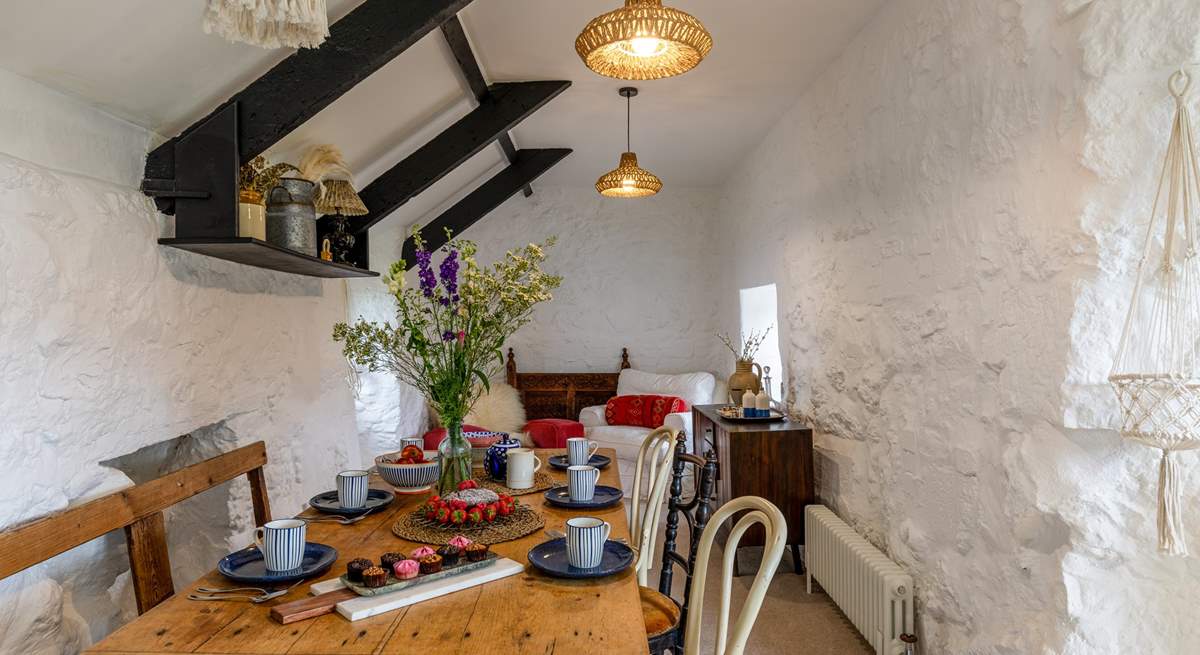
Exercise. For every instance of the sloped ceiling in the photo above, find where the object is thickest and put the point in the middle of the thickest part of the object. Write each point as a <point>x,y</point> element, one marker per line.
<point>148,61</point>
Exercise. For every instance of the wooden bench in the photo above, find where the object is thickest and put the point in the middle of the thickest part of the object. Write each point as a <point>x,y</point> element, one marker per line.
<point>139,510</point>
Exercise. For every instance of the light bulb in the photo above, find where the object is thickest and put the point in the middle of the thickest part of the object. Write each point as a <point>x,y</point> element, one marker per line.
<point>644,46</point>
<point>628,183</point>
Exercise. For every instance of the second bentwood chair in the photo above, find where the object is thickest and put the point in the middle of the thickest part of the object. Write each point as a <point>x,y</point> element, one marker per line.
<point>664,616</point>
<point>758,510</point>
<point>650,477</point>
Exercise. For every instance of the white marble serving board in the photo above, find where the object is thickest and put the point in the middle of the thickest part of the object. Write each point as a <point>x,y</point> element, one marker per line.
<point>364,607</point>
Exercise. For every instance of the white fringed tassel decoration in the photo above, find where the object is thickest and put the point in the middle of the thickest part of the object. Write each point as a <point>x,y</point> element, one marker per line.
<point>1157,370</point>
<point>1171,539</point>
<point>269,23</point>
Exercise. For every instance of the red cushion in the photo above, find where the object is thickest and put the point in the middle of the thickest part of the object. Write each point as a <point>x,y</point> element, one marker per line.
<point>552,432</point>
<point>435,436</point>
<point>642,411</point>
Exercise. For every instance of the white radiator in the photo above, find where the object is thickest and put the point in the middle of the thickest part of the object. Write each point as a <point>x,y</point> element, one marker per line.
<point>872,591</point>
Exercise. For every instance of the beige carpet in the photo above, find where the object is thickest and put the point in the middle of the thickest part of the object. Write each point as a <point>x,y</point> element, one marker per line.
<point>791,620</point>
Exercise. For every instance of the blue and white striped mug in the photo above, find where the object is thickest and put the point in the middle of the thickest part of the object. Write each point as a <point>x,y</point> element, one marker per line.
<point>281,543</point>
<point>419,442</point>
<point>581,482</point>
<point>585,541</point>
<point>580,451</point>
<point>352,488</point>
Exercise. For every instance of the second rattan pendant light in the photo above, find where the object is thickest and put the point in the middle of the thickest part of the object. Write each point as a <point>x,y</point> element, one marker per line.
<point>628,180</point>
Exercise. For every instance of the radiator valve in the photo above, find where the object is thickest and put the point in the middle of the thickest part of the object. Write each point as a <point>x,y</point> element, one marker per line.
<point>910,643</point>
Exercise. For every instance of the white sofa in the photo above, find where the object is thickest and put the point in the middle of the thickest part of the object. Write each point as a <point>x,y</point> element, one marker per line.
<point>699,388</point>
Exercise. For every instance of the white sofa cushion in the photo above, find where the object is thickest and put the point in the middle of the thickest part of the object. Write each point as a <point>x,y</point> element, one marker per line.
<point>695,388</point>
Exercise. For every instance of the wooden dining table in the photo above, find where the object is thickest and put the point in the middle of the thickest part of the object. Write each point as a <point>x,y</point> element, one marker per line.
<point>525,613</point>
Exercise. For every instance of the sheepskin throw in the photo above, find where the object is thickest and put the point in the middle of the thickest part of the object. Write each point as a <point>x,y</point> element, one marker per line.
<point>269,23</point>
<point>497,410</point>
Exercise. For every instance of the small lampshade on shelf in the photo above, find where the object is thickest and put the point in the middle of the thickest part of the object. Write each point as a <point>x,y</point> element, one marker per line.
<point>628,180</point>
<point>643,41</point>
<point>1156,374</point>
<point>325,165</point>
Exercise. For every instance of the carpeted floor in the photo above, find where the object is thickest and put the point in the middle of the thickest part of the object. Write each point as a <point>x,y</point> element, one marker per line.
<point>791,620</point>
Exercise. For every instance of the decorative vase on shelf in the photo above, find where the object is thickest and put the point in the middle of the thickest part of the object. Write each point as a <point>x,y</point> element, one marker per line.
<point>291,216</point>
<point>455,455</point>
<point>496,460</point>
<point>744,378</point>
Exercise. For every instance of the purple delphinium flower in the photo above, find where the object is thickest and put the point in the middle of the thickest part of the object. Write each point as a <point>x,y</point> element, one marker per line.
<point>449,274</point>
<point>448,336</point>
<point>425,273</point>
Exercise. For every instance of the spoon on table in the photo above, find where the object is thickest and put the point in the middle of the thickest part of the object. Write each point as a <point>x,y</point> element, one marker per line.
<point>214,593</point>
<point>344,520</point>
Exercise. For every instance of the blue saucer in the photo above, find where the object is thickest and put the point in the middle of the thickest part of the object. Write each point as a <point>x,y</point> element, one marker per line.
<point>328,502</point>
<point>551,558</point>
<point>248,566</point>
<point>604,497</point>
<point>560,461</point>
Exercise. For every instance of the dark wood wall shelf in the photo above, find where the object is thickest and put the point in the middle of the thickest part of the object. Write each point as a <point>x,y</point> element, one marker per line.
<point>245,250</point>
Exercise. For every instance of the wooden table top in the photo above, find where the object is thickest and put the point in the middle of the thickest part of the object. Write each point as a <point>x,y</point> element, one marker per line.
<point>525,613</point>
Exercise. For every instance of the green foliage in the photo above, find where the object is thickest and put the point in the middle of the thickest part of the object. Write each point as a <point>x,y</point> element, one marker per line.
<point>449,331</point>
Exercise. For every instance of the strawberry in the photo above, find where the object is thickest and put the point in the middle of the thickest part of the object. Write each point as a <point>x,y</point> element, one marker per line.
<point>467,484</point>
<point>458,517</point>
<point>430,511</point>
<point>458,503</point>
<point>475,516</point>
<point>443,514</point>
<point>505,498</point>
<point>490,513</point>
<point>504,509</point>
<point>435,500</point>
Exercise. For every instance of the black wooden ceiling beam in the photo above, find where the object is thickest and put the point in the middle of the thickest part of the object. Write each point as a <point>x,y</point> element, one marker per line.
<point>460,47</point>
<point>527,166</point>
<point>505,105</point>
<point>309,80</point>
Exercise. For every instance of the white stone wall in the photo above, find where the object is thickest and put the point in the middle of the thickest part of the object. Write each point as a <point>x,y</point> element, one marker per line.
<point>951,212</point>
<point>637,274</point>
<point>109,344</point>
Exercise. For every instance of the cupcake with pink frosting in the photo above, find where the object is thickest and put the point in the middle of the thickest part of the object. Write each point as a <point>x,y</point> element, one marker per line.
<point>406,569</point>
<point>423,551</point>
<point>460,542</point>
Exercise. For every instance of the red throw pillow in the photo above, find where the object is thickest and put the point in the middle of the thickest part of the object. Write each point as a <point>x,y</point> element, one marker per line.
<point>642,411</point>
<point>435,436</point>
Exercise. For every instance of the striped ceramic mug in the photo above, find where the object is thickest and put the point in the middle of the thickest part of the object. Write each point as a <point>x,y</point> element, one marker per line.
<point>580,451</point>
<point>419,442</point>
<point>581,482</point>
<point>281,543</point>
<point>352,488</point>
<point>585,541</point>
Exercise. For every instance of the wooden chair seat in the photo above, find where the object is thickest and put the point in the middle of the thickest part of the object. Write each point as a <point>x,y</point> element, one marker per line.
<point>660,613</point>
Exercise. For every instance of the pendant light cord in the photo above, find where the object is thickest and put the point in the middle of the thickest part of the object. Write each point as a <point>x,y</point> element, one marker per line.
<point>627,110</point>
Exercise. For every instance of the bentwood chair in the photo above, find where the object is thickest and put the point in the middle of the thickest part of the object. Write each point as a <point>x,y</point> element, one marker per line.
<point>651,474</point>
<point>662,613</point>
<point>139,510</point>
<point>758,511</point>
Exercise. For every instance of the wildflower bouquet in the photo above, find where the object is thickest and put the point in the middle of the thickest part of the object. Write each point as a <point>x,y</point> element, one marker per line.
<point>449,332</point>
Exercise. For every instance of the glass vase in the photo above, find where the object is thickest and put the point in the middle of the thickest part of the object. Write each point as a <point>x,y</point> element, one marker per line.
<point>455,455</point>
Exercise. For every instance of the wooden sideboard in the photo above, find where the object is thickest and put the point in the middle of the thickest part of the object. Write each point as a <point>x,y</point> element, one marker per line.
<point>772,460</point>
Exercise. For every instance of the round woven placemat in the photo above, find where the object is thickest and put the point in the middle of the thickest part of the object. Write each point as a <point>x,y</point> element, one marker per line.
<point>417,528</point>
<point>541,482</point>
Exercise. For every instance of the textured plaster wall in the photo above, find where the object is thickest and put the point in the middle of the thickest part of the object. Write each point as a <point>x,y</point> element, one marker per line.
<point>637,274</point>
<point>110,344</point>
<point>951,212</point>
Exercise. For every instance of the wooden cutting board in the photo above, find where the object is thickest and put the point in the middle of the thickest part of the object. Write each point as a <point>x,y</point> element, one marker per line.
<point>313,606</point>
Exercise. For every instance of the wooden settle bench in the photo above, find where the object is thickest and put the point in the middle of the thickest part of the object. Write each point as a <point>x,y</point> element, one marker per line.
<point>139,510</point>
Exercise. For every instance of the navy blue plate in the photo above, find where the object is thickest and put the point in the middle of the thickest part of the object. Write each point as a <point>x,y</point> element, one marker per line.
<point>604,497</point>
<point>551,558</point>
<point>328,502</point>
<point>560,461</point>
<point>248,565</point>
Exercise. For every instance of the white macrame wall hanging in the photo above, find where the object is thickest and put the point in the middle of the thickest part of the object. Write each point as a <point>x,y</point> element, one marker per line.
<point>1157,369</point>
<point>269,23</point>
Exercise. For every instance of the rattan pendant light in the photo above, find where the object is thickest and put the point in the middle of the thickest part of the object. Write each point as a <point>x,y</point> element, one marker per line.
<point>643,41</point>
<point>628,180</point>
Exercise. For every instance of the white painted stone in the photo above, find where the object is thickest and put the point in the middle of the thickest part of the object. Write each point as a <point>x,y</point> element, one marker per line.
<point>958,203</point>
<point>110,343</point>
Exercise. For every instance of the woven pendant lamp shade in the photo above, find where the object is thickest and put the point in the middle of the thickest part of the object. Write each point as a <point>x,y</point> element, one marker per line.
<point>628,180</point>
<point>643,41</point>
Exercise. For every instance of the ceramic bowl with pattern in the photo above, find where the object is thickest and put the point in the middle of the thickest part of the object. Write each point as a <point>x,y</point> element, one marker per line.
<point>409,477</point>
